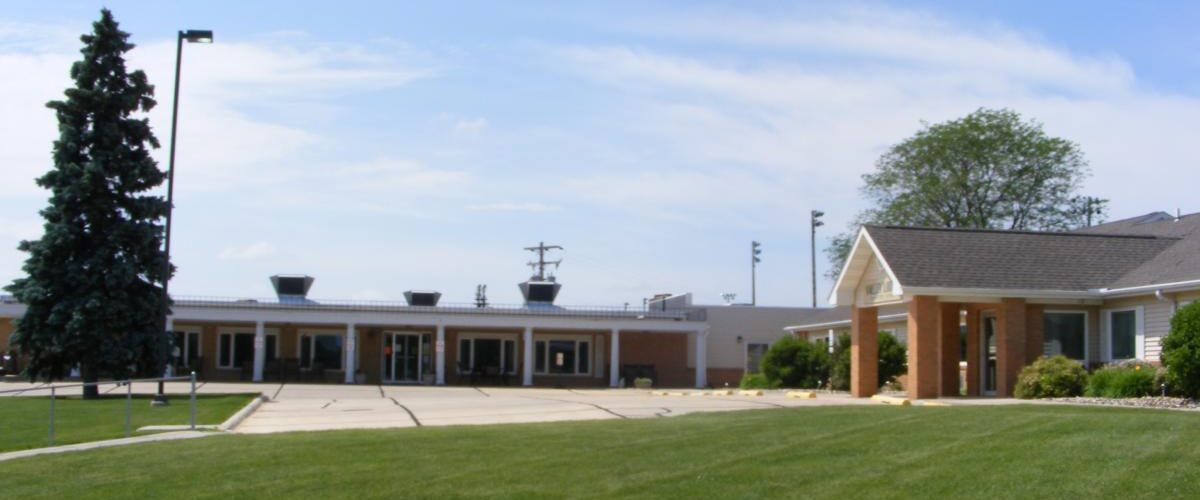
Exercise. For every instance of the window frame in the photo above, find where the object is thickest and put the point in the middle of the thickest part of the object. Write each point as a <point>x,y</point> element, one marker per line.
<point>471,337</point>
<point>232,332</point>
<point>1139,333</point>
<point>1087,331</point>
<point>184,355</point>
<point>746,356</point>
<point>310,336</point>
<point>545,356</point>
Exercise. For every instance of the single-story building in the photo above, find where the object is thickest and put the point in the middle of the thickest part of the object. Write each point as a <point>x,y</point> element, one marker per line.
<point>425,341</point>
<point>1098,295</point>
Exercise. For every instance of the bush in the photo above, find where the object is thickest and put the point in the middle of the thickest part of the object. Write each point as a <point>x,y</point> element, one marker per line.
<point>1181,351</point>
<point>792,362</point>
<point>755,381</point>
<point>643,383</point>
<point>893,361</point>
<point>893,358</point>
<point>839,364</point>
<point>1053,377</point>
<point>1129,380</point>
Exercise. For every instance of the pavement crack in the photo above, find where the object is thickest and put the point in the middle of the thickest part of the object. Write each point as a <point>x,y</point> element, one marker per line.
<point>593,405</point>
<point>277,391</point>
<point>486,395</point>
<point>411,415</point>
<point>381,394</point>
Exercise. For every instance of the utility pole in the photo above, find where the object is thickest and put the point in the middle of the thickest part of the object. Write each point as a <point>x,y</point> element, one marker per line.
<point>755,251</point>
<point>815,222</point>
<point>539,267</point>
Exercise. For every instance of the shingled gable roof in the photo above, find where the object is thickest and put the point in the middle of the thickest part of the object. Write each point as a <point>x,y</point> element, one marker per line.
<point>1016,260</point>
<point>1180,262</point>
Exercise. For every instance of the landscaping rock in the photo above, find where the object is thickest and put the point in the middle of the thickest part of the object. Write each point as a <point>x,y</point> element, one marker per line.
<point>1142,402</point>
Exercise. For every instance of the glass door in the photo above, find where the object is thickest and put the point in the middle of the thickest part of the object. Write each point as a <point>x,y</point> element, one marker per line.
<point>403,357</point>
<point>989,355</point>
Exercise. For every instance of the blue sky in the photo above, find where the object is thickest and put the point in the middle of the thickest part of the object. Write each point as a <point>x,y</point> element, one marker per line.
<point>385,146</point>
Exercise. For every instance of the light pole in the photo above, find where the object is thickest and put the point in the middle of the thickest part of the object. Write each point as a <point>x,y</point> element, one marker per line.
<point>815,222</point>
<point>755,251</point>
<point>192,36</point>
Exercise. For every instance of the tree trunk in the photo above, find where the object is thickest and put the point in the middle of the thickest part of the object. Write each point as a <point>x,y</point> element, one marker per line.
<point>88,374</point>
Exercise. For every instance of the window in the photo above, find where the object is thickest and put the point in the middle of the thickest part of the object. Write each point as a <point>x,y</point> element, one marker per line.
<point>1065,334</point>
<point>187,348</point>
<point>490,354</point>
<point>562,356</point>
<point>236,349</point>
<point>754,356</point>
<point>321,351</point>
<point>1123,334</point>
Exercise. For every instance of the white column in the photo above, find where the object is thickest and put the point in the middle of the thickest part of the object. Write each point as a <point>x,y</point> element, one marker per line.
<point>701,358</point>
<point>439,358</point>
<point>614,370</point>
<point>170,370</point>
<point>260,350</point>
<point>527,369</point>
<point>350,346</point>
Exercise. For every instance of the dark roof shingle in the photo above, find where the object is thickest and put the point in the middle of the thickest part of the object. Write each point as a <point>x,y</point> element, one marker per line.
<point>1018,260</point>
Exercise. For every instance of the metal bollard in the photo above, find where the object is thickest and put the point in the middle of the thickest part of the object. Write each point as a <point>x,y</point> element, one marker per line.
<point>51,415</point>
<point>193,421</point>
<point>128,408</point>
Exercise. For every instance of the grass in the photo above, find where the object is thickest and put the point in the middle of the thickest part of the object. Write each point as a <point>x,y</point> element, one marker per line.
<point>24,421</point>
<point>830,452</point>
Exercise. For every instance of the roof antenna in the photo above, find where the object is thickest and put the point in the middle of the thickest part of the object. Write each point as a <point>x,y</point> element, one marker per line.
<point>539,267</point>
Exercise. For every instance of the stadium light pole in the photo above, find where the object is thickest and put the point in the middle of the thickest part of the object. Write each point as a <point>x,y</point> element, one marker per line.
<point>191,36</point>
<point>815,222</point>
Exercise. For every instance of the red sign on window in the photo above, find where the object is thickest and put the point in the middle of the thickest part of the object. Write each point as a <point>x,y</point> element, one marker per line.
<point>387,350</point>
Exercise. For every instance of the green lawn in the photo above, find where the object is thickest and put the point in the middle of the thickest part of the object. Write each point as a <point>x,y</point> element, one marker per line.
<point>24,421</point>
<point>833,452</point>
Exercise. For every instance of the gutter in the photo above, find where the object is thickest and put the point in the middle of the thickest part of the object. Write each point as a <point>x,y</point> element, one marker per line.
<point>1137,290</point>
<point>844,322</point>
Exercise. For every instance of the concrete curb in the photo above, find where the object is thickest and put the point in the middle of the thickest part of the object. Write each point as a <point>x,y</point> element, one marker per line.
<point>891,400</point>
<point>237,418</point>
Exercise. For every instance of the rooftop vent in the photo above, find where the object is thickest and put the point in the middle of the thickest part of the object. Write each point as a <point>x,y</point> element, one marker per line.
<point>422,297</point>
<point>292,286</point>
<point>541,288</point>
<point>540,291</point>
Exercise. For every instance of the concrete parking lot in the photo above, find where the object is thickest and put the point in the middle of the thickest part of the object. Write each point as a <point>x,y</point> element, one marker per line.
<point>300,407</point>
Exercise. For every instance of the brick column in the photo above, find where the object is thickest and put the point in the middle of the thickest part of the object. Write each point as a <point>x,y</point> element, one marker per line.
<point>1010,344</point>
<point>1035,332</point>
<point>973,350</point>
<point>864,351</point>
<point>923,365</point>
<point>948,348</point>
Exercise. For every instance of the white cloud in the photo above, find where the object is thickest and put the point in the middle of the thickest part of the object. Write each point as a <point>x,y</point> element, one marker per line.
<point>220,142</point>
<point>252,251</point>
<point>471,127</point>
<point>511,207</point>
<point>795,124</point>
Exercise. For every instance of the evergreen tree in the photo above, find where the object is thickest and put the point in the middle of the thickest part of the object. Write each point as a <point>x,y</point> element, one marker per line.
<point>92,280</point>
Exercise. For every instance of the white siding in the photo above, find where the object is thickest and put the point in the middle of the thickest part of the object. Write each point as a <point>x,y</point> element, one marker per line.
<point>1158,325</point>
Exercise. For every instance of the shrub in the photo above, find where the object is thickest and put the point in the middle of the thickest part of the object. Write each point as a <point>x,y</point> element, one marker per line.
<point>755,381</point>
<point>893,361</point>
<point>643,383</point>
<point>1053,377</point>
<point>1181,351</point>
<point>791,362</point>
<point>839,365</point>
<point>1129,380</point>
<point>893,358</point>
